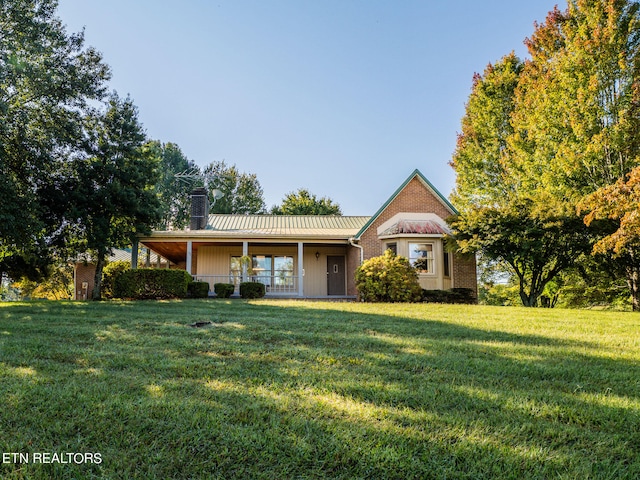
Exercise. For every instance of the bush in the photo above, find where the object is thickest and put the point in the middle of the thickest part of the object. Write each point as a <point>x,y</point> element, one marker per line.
<point>150,283</point>
<point>223,290</point>
<point>252,290</point>
<point>110,272</point>
<point>198,289</point>
<point>455,295</point>
<point>388,278</point>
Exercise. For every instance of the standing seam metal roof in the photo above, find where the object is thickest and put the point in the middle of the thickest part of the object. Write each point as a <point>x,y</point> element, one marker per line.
<point>326,225</point>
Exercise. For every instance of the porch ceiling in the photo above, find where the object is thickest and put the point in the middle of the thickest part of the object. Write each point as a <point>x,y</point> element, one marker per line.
<point>174,251</point>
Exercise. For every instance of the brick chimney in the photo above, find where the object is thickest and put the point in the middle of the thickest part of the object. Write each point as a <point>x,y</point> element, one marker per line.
<point>199,209</point>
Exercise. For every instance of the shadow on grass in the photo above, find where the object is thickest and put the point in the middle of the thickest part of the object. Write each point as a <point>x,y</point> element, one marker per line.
<point>334,391</point>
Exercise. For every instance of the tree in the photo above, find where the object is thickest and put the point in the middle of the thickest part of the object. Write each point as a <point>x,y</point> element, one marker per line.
<point>174,195</point>
<point>304,203</point>
<point>619,202</point>
<point>578,109</point>
<point>501,218</point>
<point>536,245</point>
<point>577,103</point>
<point>481,160</point>
<point>570,125</point>
<point>114,196</point>
<point>58,284</point>
<point>47,83</point>
<point>241,192</point>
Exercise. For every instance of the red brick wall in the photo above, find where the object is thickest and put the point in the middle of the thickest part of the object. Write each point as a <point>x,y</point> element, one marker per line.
<point>84,273</point>
<point>353,262</point>
<point>414,197</point>
<point>464,273</point>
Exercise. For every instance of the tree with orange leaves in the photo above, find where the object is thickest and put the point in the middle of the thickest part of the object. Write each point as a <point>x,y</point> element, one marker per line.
<point>619,202</point>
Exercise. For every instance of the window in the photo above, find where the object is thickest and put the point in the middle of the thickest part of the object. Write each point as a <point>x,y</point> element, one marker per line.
<point>445,265</point>
<point>235,272</point>
<point>283,272</point>
<point>393,247</point>
<point>272,271</point>
<point>262,269</point>
<point>421,256</point>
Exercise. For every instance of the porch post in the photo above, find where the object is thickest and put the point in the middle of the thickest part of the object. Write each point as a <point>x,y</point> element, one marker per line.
<point>134,255</point>
<point>189,256</point>
<point>300,269</point>
<point>245,253</point>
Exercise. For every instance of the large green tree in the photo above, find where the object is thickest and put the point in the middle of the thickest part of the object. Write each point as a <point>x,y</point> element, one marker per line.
<point>485,174</point>
<point>115,198</point>
<point>571,124</point>
<point>48,81</point>
<point>302,202</point>
<point>174,194</point>
<point>577,119</point>
<point>240,192</point>
<point>536,245</point>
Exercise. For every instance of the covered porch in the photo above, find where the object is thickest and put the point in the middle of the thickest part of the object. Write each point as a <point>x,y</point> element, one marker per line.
<point>301,269</point>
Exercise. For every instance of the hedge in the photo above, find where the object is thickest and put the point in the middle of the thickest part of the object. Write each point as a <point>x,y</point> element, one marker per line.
<point>455,295</point>
<point>152,283</point>
<point>223,290</point>
<point>198,289</point>
<point>110,272</point>
<point>252,290</point>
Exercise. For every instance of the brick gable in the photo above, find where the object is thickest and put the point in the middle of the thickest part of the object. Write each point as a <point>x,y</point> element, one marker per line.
<point>414,197</point>
<point>417,197</point>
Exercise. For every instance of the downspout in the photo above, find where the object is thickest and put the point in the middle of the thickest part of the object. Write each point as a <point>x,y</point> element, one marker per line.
<point>353,244</point>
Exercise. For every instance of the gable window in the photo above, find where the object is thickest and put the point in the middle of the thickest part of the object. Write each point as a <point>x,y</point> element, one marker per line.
<point>421,256</point>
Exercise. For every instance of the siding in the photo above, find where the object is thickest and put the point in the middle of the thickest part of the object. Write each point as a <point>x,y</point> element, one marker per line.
<point>215,260</point>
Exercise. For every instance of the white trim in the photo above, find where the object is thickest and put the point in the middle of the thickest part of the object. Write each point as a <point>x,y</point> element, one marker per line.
<point>189,257</point>
<point>300,269</point>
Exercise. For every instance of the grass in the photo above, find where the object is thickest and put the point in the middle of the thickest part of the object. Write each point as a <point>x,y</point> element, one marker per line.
<point>292,389</point>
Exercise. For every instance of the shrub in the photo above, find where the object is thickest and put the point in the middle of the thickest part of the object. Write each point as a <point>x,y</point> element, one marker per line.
<point>198,289</point>
<point>148,283</point>
<point>252,290</point>
<point>388,278</point>
<point>223,290</point>
<point>436,296</point>
<point>455,295</point>
<point>110,272</point>
<point>421,264</point>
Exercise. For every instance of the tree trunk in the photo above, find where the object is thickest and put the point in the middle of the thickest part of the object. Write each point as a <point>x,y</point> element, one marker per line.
<point>633,280</point>
<point>530,299</point>
<point>96,294</point>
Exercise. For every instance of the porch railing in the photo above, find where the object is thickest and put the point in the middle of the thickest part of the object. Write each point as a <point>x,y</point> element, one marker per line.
<point>274,284</point>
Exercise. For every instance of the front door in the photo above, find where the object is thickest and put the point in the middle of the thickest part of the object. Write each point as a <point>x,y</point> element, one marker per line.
<point>336,276</point>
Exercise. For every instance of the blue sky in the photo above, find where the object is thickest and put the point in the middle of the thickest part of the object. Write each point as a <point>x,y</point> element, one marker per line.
<point>342,97</point>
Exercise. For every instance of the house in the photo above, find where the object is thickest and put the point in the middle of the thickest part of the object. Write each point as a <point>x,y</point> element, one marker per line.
<point>316,256</point>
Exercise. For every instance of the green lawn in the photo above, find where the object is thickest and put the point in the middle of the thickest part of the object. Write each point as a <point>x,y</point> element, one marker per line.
<point>293,389</point>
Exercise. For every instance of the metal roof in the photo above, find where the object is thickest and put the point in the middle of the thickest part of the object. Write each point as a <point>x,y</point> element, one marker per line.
<point>422,227</point>
<point>286,225</point>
